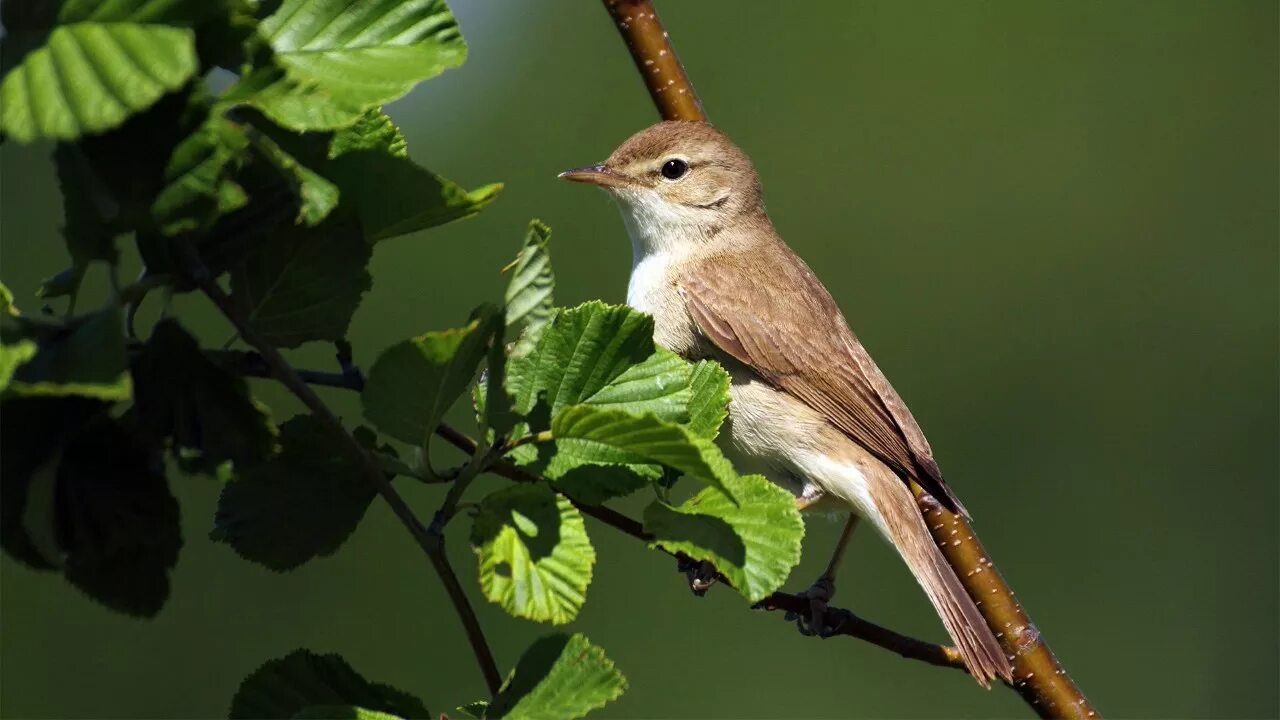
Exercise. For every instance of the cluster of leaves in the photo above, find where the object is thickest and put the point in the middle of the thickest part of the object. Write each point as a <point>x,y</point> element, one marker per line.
<point>284,182</point>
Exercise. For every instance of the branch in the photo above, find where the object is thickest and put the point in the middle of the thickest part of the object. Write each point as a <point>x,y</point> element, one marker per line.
<point>656,60</point>
<point>1037,675</point>
<point>431,543</point>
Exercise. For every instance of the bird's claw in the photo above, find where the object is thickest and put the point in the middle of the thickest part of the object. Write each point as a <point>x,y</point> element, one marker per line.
<point>818,621</point>
<point>701,575</point>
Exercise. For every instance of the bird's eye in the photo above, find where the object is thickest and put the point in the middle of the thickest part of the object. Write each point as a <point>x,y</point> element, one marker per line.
<point>674,169</point>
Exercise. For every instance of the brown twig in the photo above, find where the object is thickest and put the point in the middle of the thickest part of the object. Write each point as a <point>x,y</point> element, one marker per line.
<point>431,543</point>
<point>655,59</point>
<point>1037,675</point>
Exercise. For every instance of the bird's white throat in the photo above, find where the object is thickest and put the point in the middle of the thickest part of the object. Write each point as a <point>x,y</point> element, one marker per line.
<point>661,233</point>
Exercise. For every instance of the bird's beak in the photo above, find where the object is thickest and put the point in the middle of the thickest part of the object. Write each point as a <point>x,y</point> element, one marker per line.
<point>596,175</point>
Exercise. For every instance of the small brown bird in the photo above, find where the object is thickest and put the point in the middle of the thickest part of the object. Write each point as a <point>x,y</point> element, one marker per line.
<point>809,408</point>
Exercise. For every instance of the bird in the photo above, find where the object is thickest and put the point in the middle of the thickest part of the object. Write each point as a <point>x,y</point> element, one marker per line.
<point>808,406</point>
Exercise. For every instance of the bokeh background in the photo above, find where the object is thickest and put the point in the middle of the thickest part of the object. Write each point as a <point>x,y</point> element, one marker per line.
<point>1053,224</point>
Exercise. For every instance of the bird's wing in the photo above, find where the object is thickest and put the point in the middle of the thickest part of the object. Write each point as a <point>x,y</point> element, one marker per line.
<point>824,366</point>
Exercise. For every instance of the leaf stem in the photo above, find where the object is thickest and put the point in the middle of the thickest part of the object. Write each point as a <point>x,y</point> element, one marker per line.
<point>544,436</point>
<point>431,544</point>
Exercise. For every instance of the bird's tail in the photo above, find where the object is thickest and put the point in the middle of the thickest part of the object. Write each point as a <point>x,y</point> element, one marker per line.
<point>888,504</point>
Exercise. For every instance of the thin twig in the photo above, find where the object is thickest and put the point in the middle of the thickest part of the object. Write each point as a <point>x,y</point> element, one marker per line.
<point>1037,675</point>
<point>431,544</point>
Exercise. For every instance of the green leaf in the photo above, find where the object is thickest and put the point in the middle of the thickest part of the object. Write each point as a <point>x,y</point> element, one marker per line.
<point>529,294</point>
<point>337,59</point>
<point>304,283</point>
<point>535,557</point>
<point>303,503</point>
<point>474,709</point>
<point>90,76</point>
<point>317,197</point>
<point>599,354</point>
<point>13,353</point>
<point>558,677</point>
<point>199,185</point>
<point>413,383</point>
<point>709,401</point>
<point>593,484</point>
<point>394,196</point>
<point>87,206</point>
<point>373,131</point>
<point>288,686</point>
<point>116,522</point>
<point>85,356</point>
<point>588,434</point>
<point>207,410</point>
<point>754,543</point>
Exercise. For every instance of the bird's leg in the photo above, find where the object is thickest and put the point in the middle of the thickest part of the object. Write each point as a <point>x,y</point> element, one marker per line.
<point>824,588</point>
<point>701,575</point>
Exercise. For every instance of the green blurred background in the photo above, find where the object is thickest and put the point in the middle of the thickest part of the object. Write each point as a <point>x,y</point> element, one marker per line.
<point>1053,224</point>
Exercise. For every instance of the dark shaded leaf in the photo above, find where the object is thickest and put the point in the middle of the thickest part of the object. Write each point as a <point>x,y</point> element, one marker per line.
<point>287,687</point>
<point>208,411</point>
<point>559,676</point>
<point>85,356</point>
<point>304,283</point>
<point>303,503</point>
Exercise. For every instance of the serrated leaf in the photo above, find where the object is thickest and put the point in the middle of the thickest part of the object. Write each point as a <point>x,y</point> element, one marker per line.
<point>303,503</point>
<point>338,58</point>
<point>755,543</point>
<point>288,686</point>
<point>373,131</point>
<point>588,434</point>
<point>600,354</point>
<point>709,398</point>
<point>207,410</point>
<point>394,195</point>
<point>413,383</point>
<point>593,484</point>
<point>304,283</point>
<point>535,557</point>
<point>89,75</point>
<point>85,356</point>
<point>317,197</point>
<point>529,293</point>
<point>558,678</point>
<point>87,203</point>
<point>199,185</point>
<point>117,523</point>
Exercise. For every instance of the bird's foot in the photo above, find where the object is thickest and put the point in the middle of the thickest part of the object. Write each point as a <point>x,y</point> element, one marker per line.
<point>701,575</point>
<point>818,621</point>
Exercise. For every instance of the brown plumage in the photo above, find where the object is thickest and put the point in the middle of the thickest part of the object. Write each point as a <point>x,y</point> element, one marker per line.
<point>809,407</point>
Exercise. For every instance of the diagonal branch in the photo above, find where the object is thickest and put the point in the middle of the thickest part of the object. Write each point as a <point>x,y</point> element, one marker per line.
<point>1037,675</point>
<point>431,543</point>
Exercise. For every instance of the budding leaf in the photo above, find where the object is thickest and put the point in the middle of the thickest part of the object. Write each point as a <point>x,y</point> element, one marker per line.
<point>413,383</point>
<point>300,683</point>
<point>559,676</point>
<point>303,503</point>
<point>535,556</point>
<point>754,543</point>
